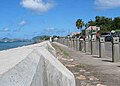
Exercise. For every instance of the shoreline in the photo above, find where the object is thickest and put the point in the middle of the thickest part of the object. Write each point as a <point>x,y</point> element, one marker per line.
<point>4,47</point>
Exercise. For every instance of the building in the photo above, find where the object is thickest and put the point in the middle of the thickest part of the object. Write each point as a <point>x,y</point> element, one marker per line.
<point>94,28</point>
<point>92,31</point>
<point>75,34</point>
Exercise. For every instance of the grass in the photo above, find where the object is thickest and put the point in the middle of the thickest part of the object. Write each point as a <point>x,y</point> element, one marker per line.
<point>65,53</point>
<point>82,65</point>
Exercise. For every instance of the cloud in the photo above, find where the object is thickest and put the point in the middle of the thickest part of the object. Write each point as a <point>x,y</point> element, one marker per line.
<point>50,29</point>
<point>5,30</point>
<point>53,31</point>
<point>106,4</point>
<point>37,5</point>
<point>17,30</point>
<point>22,23</point>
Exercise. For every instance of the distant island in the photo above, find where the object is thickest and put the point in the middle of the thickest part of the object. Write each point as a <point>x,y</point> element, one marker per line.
<point>35,39</point>
<point>14,40</point>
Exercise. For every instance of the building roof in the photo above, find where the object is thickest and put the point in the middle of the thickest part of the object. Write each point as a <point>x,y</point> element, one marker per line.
<point>74,33</point>
<point>93,28</point>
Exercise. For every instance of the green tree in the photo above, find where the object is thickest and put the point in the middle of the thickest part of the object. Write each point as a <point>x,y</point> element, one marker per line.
<point>79,24</point>
<point>104,23</point>
<point>86,25</point>
<point>91,23</point>
<point>116,23</point>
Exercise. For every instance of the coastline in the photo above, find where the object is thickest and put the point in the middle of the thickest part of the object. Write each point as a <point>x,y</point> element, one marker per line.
<point>11,45</point>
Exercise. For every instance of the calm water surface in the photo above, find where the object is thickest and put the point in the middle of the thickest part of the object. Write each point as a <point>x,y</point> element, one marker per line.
<point>9,45</point>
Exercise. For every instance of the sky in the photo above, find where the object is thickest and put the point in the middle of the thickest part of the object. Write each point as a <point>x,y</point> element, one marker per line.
<point>29,18</point>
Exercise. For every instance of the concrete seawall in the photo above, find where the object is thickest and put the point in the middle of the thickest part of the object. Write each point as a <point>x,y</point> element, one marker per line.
<point>33,65</point>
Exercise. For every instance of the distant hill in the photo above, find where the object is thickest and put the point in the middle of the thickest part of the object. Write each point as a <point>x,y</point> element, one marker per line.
<point>40,38</point>
<point>5,39</point>
<point>13,40</point>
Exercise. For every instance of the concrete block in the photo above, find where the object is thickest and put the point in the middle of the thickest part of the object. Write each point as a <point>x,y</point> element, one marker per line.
<point>20,74</point>
<point>115,49</point>
<point>33,65</point>
<point>56,72</point>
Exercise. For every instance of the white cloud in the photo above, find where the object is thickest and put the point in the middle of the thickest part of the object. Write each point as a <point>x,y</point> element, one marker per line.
<point>5,30</point>
<point>37,5</point>
<point>22,23</point>
<point>106,4</point>
<point>50,29</point>
<point>17,30</point>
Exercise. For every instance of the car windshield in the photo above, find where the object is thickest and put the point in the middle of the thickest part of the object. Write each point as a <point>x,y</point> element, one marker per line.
<point>116,34</point>
<point>105,33</point>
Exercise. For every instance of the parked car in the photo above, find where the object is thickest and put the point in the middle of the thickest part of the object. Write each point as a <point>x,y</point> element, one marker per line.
<point>108,36</point>
<point>116,34</point>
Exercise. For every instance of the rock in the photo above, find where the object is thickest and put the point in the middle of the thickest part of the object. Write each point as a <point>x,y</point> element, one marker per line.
<point>87,73</point>
<point>70,65</point>
<point>67,59</point>
<point>82,70</point>
<point>71,59</point>
<point>100,85</point>
<point>97,82</point>
<point>88,84</point>
<point>76,73</point>
<point>59,57</point>
<point>93,78</point>
<point>81,77</point>
<point>83,83</point>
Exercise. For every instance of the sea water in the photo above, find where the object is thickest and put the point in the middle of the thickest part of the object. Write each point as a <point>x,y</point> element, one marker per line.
<point>9,45</point>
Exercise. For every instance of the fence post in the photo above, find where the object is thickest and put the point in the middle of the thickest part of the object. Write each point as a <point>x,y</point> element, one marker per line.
<point>60,40</point>
<point>115,49</point>
<point>92,45</point>
<point>77,45</point>
<point>80,45</point>
<point>73,43</point>
<point>67,42</point>
<point>84,45</point>
<point>91,49</point>
<point>102,47</point>
<point>63,41</point>
<point>87,45</point>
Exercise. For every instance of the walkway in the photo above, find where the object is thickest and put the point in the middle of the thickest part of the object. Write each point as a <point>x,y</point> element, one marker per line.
<point>89,70</point>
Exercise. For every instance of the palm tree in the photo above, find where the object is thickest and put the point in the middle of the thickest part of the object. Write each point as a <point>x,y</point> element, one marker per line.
<point>80,24</point>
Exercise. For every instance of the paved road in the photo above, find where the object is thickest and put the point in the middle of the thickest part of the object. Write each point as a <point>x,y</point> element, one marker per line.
<point>107,72</point>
